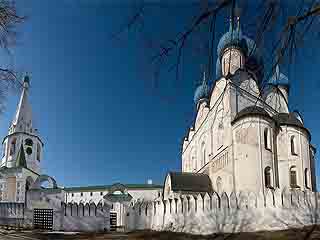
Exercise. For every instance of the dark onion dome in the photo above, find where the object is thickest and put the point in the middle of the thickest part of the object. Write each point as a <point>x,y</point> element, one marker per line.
<point>26,79</point>
<point>202,92</point>
<point>235,38</point>
<point>251,111</point>
<point>279,78</point>
<point>190,182</point>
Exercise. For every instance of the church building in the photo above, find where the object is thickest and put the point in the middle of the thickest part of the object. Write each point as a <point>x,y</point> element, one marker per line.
<point>244,136</point>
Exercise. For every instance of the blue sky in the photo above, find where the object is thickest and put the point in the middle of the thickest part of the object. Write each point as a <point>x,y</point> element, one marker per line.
<point>93,101</point>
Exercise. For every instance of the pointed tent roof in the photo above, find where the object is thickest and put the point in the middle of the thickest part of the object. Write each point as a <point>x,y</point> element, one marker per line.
<point>21,158</point>
<point>22,120</point>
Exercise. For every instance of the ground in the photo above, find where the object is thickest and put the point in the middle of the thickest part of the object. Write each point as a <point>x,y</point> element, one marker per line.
<point>312,232</point>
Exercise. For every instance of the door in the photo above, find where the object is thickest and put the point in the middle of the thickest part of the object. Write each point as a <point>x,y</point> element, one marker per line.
<point>43,218</point>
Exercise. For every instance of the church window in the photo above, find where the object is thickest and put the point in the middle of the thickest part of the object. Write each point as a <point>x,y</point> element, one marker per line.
<point>220,135</point>
<point>4,149</point>
<point>29,142</point>
<point>13,146</point>
<point>38,151</point>
<point>29,150</point>
<point>91,194</point>
<point>203,153</point>
<point>101,193</point>
<point>293,145</point>
<point>81,194</point>
<point>193,163</point>
<point>267,177</point>
<point>293,177</point>
<point>267,139</point>
<point>219,184</point>
<point>306,182</point>
<point>72,195</point>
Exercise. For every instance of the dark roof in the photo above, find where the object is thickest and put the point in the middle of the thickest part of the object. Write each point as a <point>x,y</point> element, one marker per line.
<point>252,110</point>
<point>190,182</point>
<point>288,119</point>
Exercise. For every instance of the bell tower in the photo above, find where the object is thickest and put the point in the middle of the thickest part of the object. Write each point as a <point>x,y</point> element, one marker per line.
<point>22,147</point>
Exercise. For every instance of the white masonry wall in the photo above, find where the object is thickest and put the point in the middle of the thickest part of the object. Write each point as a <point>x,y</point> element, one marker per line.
<point>227,212</point>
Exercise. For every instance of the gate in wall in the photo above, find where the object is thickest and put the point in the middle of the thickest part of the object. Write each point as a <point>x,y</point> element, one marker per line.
<point>43,218</point>
<point>113,221</point>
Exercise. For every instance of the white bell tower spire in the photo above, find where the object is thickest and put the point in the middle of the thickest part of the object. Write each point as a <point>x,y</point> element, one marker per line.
<point>22,137</point>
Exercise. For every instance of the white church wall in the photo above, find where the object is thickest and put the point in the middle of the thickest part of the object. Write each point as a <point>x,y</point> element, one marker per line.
<point>287,160</point>
<point>212,135</point>
<point>248,154</point>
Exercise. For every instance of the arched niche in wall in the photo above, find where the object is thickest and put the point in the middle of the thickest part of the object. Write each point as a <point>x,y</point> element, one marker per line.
<point>44,181</point>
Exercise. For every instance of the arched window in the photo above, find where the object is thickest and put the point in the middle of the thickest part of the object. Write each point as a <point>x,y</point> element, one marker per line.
<point>293,145</point>
<point>219,184</point>
<point>13,146</point>
<point>306,177</point>
<point>29,142</point>
<point>38,151</point>
<point>220,135</point>
<point>4,149</point>
<point>203,154</point>
<point>267,139</point>
<point>193,161</point>
<point>293,177</point>
<point>267,177</point>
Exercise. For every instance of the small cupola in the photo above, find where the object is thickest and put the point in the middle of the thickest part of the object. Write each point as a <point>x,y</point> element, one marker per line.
<point>281,81</point>
<point>202,91</point>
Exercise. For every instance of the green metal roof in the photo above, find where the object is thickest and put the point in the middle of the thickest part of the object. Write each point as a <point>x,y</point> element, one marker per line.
<point>21,158</point>
<point>106,187</point>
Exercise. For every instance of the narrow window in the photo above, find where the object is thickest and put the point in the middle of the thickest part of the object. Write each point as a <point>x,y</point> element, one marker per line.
<point>267,177</point>
<point>293,177</point>
<point>267,142</point>
<point>203,153</point>
<point>72,195</point>
<point>91,194</point>
<point>220,135</point>
<point>13,147</point>
<point>219,184</point>
<point>101,193</point>
<point>81,194</point>
<point>38,151</point>
<point>293,145</point>
<point>306,174</point>
<point>4,149</point>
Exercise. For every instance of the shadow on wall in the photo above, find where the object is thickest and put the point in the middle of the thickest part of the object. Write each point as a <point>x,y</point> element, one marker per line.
<point>88,217</point>
<point>245,211</point>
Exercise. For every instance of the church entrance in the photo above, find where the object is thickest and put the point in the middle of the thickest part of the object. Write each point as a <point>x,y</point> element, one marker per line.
<point>113,221</point>
<point>43,219</point>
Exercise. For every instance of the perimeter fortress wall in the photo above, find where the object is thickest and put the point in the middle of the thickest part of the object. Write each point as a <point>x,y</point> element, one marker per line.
<point>210,213</point>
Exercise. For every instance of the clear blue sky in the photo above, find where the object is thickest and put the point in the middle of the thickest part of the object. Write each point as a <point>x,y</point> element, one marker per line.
<point>93,101</point>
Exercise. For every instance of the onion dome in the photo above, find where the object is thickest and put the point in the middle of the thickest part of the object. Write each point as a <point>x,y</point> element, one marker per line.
<point>235,38</point>
<point>232,38</point>
<point>202,91</point>
<point>279,78</point>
